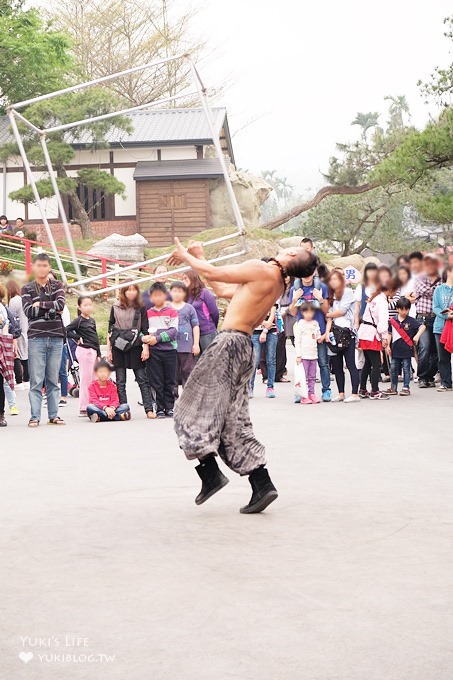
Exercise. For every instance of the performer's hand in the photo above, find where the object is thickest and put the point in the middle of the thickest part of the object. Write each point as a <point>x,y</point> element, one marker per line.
<point>179,254</point>
<point>195,248</point>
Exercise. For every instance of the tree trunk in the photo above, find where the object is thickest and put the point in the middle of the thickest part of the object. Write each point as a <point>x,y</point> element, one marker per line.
<point>313,202</point>
<point>80,214</point>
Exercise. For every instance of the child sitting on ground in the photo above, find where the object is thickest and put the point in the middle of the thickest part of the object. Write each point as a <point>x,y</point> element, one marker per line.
<point>405,332</point>
<point>103,396</point>
<point>307,336</point>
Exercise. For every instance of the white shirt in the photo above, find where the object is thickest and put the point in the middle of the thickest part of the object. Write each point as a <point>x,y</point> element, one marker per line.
<point>306,338</point>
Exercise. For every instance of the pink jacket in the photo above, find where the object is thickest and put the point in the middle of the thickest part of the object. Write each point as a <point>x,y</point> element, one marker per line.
<point>377,313</point>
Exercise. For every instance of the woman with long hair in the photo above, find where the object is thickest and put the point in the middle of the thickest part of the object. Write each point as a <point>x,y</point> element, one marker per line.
<point>407,286</point>
<point>364,290</point>
<point>341,314</point>
<point>205,306</point>
<point>373,338</point>
<point>15,306</point>
<point>128,313</point>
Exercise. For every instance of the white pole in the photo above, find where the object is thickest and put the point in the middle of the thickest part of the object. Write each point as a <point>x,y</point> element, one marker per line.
<point>27,122</point>
<point>60,206</point>
<point>31,179</point>
<point>125,284</point>
<point>131,267</point>
<point>216,141</point>
<point>96,81</point>
<point>105,116</point>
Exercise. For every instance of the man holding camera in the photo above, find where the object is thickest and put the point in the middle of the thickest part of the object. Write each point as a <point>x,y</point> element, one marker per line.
<point>43,300</point>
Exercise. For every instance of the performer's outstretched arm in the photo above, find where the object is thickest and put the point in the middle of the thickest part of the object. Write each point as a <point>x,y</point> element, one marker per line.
<point>222,290</point>
<point>248,271</point>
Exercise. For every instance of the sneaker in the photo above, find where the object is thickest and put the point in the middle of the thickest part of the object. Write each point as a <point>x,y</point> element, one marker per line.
<point>3,422</point>
<point>431,383</point>
<point>296,399</point>
<point>441,388</point>
<point>270,393</point>
<point>62,403</point>
<point>314,399</point>
<point>364,394</point>
<point>150,415</point>
<point>422,384</point>
<point>379,396</point>
<point>337,399</point>
<point>170,413</point>
<point>353,399</point>
<point>14,411</point>
<point>160,414</point>
<point>405,392</point>
<point>82,414</point>
<point>392,392</point>
<point>305,400</point>
<point>94,418</point>
<point>327,395</point>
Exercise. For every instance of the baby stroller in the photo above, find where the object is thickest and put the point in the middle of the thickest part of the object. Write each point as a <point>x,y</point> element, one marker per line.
<point>74,387</point>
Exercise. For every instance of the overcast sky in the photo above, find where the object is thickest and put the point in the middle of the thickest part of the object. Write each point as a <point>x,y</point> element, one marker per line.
<point>304,69</point>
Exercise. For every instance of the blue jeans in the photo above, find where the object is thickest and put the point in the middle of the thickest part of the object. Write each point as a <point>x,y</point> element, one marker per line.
<point>271,356</point>
<point>44,360</point>
<point>120,410</point>
<point>397,365</point>
<point>63,375</point>
<point>324,369</point>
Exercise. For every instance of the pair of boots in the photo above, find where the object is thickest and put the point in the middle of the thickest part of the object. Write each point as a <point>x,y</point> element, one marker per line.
<point>213,479</point>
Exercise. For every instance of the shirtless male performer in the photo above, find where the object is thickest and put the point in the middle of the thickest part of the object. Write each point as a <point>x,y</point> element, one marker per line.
<point>212,414</point>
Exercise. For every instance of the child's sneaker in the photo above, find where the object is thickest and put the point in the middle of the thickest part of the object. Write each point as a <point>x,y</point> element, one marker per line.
<point>327,395</point>
<point>296,399</point>
<point>270,393</point>
<point>94,418</point>
<point>405,392</point>
<point>379,396</point>
<point>306,400</point>
<point>364,394</point>
<point>14,411</point>
<point>160,414</point>
<point>314,399</point>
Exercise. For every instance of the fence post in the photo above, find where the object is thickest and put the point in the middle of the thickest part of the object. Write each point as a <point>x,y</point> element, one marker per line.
<point>104,271</point>
<point>27,256</point>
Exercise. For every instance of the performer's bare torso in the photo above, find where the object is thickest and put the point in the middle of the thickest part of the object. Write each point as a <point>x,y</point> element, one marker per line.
<point>251,301</point>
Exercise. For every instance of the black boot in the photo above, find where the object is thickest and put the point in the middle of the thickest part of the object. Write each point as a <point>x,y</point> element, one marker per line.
<point>3,422</point>
<point>264,492</point>
<point>212,479</point>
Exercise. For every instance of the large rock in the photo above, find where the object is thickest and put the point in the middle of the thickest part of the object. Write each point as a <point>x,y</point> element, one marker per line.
<point>126,248</point>
<point>250,191</point>
<point>290,242</point>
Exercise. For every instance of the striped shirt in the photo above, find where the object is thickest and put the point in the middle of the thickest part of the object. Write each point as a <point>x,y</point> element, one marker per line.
<point>51,298</point>
<point>163,323</point>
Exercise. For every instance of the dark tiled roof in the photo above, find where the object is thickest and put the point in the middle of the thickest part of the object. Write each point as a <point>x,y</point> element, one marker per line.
<point>154,128</point>
<point>207,168</point>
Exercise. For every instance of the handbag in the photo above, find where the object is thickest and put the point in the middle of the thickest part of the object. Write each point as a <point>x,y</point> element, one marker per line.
<point>126,339</point>
<point>343,338</point>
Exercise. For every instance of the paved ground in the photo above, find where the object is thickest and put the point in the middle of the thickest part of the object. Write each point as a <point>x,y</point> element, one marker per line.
<point>348,576</point>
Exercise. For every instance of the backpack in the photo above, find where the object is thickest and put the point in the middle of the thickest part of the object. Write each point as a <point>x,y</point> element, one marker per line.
<point>14,324</point>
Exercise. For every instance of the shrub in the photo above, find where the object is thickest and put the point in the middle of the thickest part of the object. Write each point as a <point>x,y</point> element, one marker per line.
<point>6,268</point>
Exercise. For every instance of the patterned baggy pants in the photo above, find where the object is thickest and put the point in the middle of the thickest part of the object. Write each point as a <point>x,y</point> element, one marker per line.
<point>212,414</point>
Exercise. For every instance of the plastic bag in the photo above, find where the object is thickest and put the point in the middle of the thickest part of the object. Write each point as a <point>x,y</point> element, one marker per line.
<point>300,382</point>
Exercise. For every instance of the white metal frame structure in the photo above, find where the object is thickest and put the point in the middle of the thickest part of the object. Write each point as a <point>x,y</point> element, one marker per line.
<point>200,91</point>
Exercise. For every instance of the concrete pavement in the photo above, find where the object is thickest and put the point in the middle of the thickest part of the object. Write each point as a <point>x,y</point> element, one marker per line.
<point>346,577</point>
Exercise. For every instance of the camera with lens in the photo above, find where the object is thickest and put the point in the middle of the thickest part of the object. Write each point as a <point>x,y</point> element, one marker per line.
<point>50,315</point>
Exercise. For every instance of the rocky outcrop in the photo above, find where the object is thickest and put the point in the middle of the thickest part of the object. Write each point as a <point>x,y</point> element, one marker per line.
<point>117,247</point>
<point>250,191</point>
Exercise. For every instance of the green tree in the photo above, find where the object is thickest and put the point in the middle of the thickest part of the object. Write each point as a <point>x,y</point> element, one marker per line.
<point>440,85</point>
<point>65,109</point>
<point>35,57</point>
<point>366,121</point>
<point>397,110</point>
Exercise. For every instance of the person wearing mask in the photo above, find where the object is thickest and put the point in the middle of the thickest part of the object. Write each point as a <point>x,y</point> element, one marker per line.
<point>443,309</point>
<point>341,313</point>
<point>205,306</point>
<point>43,301</point>
<point>128,319</point>
<point>425,285</point>
<point>318,297</point>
